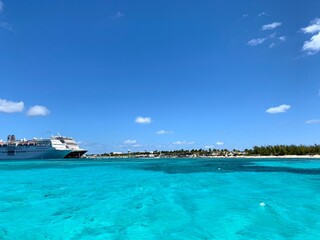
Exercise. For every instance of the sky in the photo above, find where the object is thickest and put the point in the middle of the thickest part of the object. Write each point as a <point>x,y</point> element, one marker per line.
<point>161,75</point>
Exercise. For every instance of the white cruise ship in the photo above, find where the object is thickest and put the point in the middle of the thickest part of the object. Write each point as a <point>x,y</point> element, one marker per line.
<point>71,144</point>
<point>33,149</point>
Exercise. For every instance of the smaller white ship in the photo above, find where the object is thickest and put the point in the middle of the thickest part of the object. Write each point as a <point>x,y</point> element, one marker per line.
<point>71,144</point>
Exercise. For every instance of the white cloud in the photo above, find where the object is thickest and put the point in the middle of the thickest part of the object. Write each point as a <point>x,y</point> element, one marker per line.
<point>38,111</point>
<point>272,45</point>
<point>272,35</point>
<point>280,109</point>
<point>161,132</point>
<point>10,107</point>
<point>257,41</point>
<point>219,143</point>
<point>262,14</point>
<point>312,46</point>
<point>129,141</point>
<point>313,121</point>
<point>208,146</point>
<point>119,15</point>
<point>277,41</point>
<point>282,38</point>
<point>1,6</point>
<point>143,120</point>
<point>6,26</point>
<point>182,143</point>
<point>314,26</point>
<point>271,26</point>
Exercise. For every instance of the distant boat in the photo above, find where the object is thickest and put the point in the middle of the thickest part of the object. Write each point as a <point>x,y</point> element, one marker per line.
<point>39,148</point>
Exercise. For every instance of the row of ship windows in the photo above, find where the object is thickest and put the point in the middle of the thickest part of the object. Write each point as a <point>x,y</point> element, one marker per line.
<point>20,152</point>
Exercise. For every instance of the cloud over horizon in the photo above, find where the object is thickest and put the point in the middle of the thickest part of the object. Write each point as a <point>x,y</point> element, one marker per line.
<point>143,120</point>
<point>130,141</point>
<point>208,146</point>
<point>183,143</point>
<point>38,110</point>
<point>312,46</point>
<point>162,132</point>
<point>279,109</point>
<point>219,143</point>
<point>7,106</point>
<point>313,121</point>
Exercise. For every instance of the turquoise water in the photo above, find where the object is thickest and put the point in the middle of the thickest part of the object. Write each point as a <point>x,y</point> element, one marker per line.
<point>160,199</point>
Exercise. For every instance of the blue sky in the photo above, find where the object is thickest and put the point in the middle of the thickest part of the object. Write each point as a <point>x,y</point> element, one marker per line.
<point>147,75</point>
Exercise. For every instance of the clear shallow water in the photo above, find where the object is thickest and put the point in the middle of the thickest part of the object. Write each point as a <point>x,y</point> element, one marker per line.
<point>160,199</point>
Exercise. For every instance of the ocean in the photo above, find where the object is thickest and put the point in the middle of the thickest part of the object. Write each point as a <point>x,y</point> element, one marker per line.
<point>160,199</point>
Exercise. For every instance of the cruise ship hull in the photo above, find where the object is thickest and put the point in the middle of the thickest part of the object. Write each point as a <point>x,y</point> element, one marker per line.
<point>76,154</point>
<point>21,155</point>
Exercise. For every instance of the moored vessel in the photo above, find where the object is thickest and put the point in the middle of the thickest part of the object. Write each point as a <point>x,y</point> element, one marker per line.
<point>71,144</point>
<point>32,149</point>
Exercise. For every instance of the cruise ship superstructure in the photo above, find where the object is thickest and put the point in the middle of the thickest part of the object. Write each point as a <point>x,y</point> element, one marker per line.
<point>71,144</point>
<point>37,148</point>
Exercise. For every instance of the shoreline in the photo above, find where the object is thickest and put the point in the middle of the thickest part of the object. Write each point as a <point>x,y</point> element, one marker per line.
<point>222,157</point>
<point>273,157</point>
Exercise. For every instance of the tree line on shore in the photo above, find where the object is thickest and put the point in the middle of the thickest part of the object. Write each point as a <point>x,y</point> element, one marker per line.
<point>178,153</point>
<point>282,150</point>
<point>269,150</point>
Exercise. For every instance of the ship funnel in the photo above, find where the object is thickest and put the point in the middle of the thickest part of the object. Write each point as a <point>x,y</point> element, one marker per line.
<point>11,138</point>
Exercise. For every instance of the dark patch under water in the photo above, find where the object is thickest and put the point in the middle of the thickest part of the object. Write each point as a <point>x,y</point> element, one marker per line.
<point>223,166</point>
<point>169,166</point>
